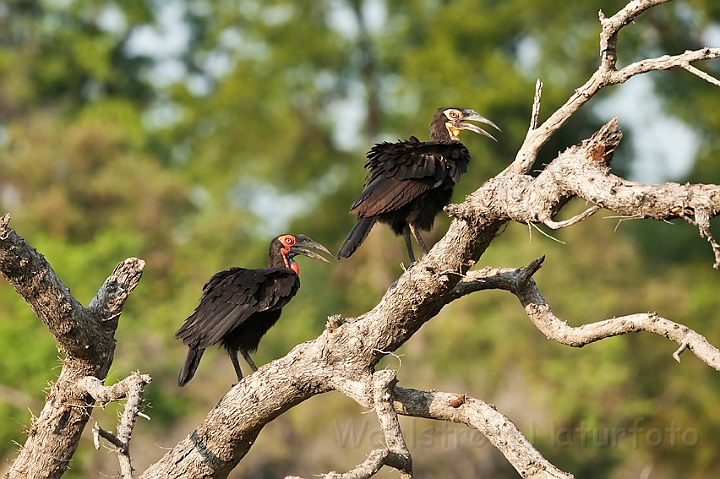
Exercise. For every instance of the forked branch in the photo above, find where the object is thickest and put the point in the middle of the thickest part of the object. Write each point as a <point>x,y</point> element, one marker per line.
<point>606,75</point>
<point>131,388</point>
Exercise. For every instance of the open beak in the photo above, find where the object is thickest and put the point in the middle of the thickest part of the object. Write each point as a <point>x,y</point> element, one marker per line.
<point>302,240</point>
<point>471,115</point>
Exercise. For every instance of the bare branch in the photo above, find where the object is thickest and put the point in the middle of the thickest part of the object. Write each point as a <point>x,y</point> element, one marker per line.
<point>374,462</point>
<point>556,225</point>
<point>611,26</point>
<point>88,342</point>
<point>99,432</point>
<point>132,388</point>
<point>539,312</point>
<point>110,298</point>
<point>606,75</point>
<point>106,394</point>
<point>683,347</point>
<point>34,279</point>
<point>396,454</point>
<point>701,74</point>
<point>703,225</point>
<point>666,62</point>
<point>535,115</point>
<point>582,171</point>
<point>497,427</point>
<point>399,456</point>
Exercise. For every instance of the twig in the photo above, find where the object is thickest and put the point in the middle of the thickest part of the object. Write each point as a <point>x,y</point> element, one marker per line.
<point>703,226</point>
<point>132,388</point>
<point>374,462</point>
<point>99,432</point>
<point>544,233</point>
<point>683,347</point>
<point>556,225</point>
<point>535,115</point>
<point>606,75</point>
<point>530,271</point>
<point>699,73</point>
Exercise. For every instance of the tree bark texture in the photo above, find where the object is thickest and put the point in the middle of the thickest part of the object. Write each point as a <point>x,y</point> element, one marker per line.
<point>85,335</point>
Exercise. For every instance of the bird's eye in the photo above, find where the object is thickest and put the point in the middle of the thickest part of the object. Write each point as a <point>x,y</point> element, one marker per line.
<point>289,240</point>
<point>454,114</point>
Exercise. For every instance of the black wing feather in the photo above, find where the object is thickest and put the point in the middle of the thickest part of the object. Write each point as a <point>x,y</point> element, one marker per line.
<point>233,295</point>
<point>400,172</point>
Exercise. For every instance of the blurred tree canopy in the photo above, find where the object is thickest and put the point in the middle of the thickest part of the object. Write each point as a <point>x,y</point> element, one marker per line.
<point>188,133</point>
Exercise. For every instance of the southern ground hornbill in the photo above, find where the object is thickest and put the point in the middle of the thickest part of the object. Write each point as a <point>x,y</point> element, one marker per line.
<point>409,182</point>
<point>239,305</point>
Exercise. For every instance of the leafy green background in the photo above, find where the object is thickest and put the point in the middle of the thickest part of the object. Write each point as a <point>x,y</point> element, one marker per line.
<point>189,133</point>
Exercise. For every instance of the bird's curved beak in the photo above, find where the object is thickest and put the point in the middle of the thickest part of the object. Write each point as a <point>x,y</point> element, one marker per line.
<point>471,115</point>
<point>302,242</point>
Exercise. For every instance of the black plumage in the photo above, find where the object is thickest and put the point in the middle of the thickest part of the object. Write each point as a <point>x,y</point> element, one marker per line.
<point>410,182</point>
<point>238,306</point>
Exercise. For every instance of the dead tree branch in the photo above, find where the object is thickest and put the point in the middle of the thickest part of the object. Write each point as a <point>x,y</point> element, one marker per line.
<point>398,454</point>
<point>520,283</point>
<point>86,336</point>
<point>369,467</point>
<point>583,171</point>
<point>479,415</point>
<point>131,388</point>
<point>606,75</point>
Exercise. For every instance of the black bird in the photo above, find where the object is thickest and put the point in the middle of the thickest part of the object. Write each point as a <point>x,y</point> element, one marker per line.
<point>409,182</point>
<point>238,306</point>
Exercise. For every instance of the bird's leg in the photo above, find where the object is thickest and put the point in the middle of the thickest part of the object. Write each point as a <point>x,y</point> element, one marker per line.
<point>408,243</point>
<point>249,360</point>
<point>419,239</point>
<point>236,365</point>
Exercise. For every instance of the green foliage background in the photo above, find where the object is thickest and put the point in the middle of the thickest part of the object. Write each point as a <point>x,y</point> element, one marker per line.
<point>114,142</point>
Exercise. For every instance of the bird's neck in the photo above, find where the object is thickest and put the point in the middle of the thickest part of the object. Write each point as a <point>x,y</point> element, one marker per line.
<point>283,260</point>
<point>443,132</point>
<point>292,264</point>
<point>280,258</point>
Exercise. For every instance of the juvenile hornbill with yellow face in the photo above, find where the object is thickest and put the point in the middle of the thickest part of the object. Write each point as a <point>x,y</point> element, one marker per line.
<point>410,182</point>
<point>238,306</point>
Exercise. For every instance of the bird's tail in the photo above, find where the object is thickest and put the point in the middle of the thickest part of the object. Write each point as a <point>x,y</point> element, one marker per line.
<point>356,236</point>
<point>192,360</point>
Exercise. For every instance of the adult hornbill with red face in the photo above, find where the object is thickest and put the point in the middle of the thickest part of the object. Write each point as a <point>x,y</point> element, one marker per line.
<point>410,182</point>
<point>238,306</point>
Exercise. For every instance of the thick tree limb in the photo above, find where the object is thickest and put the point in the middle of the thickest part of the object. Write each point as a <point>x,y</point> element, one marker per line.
<point>87,338</point>
<point>34,279</point>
